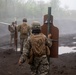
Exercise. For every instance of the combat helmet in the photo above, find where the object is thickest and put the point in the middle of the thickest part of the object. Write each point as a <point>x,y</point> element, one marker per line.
<point>12,23</point>
<point>24,20</point>
<point>36,27</point>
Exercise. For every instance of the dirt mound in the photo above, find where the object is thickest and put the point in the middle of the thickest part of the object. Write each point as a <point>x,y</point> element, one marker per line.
<point>9,64</point>
<point>64,65</point>
<point>67,40</point>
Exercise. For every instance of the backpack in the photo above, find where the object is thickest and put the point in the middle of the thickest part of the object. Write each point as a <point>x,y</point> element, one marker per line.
<point>11,28</point>
<point>38,46</point>
<point>24,29</point>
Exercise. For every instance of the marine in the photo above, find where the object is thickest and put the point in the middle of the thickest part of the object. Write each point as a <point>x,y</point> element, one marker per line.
<point>11,28</point>
<point>36,50</point>
<point>24,30</point>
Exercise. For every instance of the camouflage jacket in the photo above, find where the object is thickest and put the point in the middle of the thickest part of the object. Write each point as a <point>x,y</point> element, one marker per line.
<point>27,48</point>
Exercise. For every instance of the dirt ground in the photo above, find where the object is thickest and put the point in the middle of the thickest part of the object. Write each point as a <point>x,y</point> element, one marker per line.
<point>63,65</point>
<point>9,64</point>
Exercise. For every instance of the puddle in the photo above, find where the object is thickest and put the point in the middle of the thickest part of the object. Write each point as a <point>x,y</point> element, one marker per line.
<point>63,50</point>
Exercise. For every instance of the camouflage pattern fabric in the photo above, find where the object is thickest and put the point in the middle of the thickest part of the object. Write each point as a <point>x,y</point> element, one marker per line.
<point>12,38</point>
<point>40,66</point>
<point>20,30</point>
<point>11,28</point>
<point>22,43</point>
<point>23,36</point>
<point>38,44</point>
<point>12,35</point>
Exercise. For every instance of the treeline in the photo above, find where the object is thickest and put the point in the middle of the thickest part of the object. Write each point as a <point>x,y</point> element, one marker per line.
<point>33,9</point>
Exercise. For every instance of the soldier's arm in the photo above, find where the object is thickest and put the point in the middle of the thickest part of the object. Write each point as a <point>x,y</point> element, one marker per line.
<point>26,49</point>
<point>49,41</point>
<point>29,30</point>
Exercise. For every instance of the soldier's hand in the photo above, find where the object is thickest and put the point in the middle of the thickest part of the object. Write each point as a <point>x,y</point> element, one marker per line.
<point>49,35</point>
<point>19,62</point>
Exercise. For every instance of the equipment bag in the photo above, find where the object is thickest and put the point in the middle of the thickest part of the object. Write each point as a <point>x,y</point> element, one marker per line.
<point>11,28</point>
<point>38,44</point>
<point>24,29</point>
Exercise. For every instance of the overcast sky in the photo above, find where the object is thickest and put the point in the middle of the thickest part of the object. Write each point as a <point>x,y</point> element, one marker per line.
<point>70,3</point>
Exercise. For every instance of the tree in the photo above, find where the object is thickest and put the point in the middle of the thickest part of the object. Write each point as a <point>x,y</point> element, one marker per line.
<point>55,6</point>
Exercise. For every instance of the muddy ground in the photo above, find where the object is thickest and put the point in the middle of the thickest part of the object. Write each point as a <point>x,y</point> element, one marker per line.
<point>65,64</point>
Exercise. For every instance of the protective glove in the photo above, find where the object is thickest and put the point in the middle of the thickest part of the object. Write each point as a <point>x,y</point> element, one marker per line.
<point>19,62</point>
<point>49,36</point>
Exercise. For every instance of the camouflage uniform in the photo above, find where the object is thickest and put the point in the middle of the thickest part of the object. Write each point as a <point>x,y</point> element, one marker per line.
<point>12,32</point>
<point>38,65</point>
<point>23,36</point>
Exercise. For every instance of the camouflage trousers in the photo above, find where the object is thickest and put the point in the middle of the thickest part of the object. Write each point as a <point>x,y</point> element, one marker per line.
<point>22,44</point>
<point>12,38</point>
<point>40,66</point>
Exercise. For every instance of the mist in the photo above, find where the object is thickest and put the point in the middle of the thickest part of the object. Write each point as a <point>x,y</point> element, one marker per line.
<point>63,17</point>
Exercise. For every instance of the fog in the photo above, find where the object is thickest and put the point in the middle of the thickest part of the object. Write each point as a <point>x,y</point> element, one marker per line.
<point>64,13</point>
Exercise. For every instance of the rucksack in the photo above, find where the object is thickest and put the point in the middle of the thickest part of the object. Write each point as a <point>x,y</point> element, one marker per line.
<point>24,29</point>
<point>11,28</point>
<point>38,46</point>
